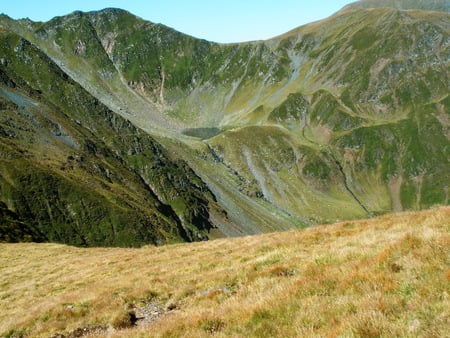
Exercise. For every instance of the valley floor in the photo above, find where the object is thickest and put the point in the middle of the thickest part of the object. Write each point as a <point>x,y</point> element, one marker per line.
<point>388,276</point>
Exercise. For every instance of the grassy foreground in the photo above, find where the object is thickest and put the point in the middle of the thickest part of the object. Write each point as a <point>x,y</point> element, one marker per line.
<point>384,277</point>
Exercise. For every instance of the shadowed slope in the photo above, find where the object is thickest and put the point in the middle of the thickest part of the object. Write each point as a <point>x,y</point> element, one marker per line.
<point>80,173</point>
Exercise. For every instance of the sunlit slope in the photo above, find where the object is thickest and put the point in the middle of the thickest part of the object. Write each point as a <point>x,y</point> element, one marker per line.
<point>387,276</point>
<point>431,5</point>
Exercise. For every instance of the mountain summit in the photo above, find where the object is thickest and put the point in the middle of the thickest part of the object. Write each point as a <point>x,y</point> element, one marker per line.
<point>119,131</point>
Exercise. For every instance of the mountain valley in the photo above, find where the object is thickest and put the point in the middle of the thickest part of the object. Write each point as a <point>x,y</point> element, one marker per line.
<point>116,131</point>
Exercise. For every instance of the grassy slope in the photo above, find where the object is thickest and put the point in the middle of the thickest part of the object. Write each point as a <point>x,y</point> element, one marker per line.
<point>385,277</point>
<point>435,5</point>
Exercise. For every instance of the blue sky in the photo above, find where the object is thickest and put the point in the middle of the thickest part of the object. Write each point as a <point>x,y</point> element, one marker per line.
<point>214,20</point>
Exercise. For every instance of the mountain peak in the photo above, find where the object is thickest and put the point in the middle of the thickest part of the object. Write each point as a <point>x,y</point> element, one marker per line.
<point>112,13</point>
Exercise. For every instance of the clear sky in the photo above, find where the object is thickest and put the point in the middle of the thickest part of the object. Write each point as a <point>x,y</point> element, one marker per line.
<point>214,20</point>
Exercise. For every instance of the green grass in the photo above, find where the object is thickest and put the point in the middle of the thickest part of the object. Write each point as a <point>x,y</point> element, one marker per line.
<point>355,100</point>
<point>111,185</point>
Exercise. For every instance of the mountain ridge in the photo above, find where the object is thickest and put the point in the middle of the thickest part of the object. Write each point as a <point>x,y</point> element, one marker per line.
<point>431,5</point>
<point>63,149</point>
<point>343,118</point>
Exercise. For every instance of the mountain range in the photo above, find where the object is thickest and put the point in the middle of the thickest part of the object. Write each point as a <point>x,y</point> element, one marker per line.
<point>115,131</point>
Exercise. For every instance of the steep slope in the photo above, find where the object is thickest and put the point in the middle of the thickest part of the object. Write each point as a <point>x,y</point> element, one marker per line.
<point>363,117</point>
<point>83,175</point>
<point>13,230</point>
<point>342,118</point>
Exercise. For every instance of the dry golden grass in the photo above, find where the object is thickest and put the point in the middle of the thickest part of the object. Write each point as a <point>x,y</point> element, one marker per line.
<point>385,277</point>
